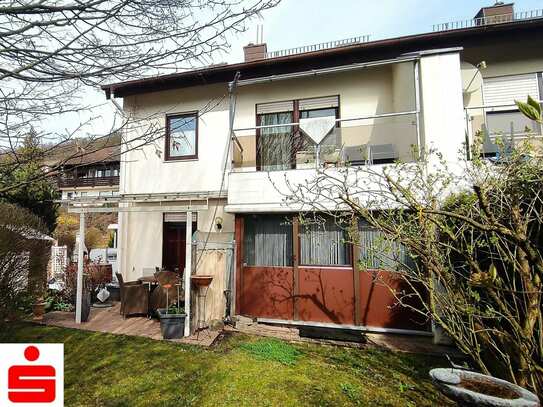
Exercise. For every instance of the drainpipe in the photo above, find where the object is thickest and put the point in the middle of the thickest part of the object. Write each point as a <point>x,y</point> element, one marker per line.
<point>417,108</point>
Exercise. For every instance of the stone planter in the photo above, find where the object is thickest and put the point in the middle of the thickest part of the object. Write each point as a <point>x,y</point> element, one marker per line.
<point>474,389</point>
<point>172,326</point>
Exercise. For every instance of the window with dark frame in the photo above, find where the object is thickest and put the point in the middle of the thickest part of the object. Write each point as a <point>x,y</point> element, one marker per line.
<point>267,241</point>
<point>378,252</point>
<point>278,146</point>
<point>182,136</point>
<point>324,242</point>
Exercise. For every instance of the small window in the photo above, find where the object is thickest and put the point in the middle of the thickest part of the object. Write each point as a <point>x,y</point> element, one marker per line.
<point>324,242</point>
<point>84,194</point>
<point>182,136</point>
<point>268,241</point>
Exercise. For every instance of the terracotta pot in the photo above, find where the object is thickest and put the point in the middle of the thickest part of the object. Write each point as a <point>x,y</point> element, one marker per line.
<point>201,281</point>
<point>38,310</point>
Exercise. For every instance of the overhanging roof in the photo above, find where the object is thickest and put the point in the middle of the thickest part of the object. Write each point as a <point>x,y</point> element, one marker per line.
<point>363,52</point>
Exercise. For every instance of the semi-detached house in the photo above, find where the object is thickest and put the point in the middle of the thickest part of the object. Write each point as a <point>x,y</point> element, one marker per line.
<point>384,101</point>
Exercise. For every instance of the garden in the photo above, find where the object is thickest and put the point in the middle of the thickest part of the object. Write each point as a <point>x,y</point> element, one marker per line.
<point>117,370</point>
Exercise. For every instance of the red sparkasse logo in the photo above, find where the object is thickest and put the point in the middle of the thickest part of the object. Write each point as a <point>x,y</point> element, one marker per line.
<point>32,375</point>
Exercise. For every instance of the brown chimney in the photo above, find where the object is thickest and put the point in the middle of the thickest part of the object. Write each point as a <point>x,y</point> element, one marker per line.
<point>498,13</point>
<point>254,52</point>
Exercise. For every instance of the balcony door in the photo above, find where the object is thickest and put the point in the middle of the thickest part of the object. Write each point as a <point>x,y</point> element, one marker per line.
<point>280,146</point>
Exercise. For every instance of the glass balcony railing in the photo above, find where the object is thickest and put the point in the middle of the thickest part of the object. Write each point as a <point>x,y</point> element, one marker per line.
<point>500,128</point>
<point>358,141</point>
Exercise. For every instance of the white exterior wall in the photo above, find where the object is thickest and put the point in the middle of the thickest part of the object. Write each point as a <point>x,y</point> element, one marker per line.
<point>146,171</point>
<point>443,121</point>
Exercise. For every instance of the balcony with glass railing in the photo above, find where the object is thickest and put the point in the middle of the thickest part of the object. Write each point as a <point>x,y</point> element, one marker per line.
<point>356,141</point>
<point>500,128</point>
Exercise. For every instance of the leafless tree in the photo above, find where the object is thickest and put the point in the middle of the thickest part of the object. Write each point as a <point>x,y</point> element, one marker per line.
<point>53,52</point>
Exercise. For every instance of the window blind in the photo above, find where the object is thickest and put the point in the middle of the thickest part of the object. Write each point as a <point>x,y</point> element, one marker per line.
<point>506,89</point>
<point>178,217</point>
<point>380,253</point>
<point>324,243</point>
<point>275,107</point>
<point>319,103</point>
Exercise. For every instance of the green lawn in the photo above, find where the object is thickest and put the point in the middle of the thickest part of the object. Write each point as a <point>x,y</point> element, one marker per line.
<point>113,370</point>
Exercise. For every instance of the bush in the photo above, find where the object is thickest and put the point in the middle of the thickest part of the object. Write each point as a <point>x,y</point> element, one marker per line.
<point>94,276</point>
<point>23,260</point>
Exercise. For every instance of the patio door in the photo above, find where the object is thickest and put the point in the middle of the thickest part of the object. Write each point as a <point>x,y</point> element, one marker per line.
<point>174,245</point>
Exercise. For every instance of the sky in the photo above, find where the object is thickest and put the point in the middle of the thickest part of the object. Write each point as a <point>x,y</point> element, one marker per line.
<point>303,22</point>
<point>295,23</point>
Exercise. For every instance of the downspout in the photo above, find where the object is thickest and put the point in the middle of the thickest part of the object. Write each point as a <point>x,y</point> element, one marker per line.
<point>417,108</point>
<point>230,267</point>
<point>122,232</point>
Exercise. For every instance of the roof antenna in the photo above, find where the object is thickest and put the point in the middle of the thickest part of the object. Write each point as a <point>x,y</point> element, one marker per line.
<point>260,33</point>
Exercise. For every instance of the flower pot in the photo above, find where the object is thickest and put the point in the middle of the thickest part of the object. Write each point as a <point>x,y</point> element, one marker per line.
<point>172,326</point>
<point>475,389</point>
<point>38,310</point>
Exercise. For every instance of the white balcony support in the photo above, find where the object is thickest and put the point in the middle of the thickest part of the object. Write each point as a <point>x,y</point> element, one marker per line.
<point>188,270</point>
<point>80,263</point>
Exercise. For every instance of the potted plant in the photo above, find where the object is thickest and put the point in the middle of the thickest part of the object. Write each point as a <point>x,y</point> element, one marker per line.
<point>172,318</point>
<point>38,308</point>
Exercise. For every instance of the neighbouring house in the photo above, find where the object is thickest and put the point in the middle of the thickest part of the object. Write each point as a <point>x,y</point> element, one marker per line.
<point>231,136</point>
<point>89,171</point>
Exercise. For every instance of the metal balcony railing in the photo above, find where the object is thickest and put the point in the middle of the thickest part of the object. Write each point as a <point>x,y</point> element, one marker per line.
<point>318,47</point>
<point>489,20</point>
<point>367,140</point>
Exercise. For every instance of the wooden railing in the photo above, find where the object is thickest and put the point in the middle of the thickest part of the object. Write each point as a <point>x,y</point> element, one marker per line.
<point>87,182</point>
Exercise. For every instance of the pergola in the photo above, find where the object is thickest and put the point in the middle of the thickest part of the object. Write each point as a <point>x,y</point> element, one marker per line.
<point>152,202</point>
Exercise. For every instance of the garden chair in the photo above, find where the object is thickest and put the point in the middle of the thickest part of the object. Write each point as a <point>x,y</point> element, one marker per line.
<point>134,297</point>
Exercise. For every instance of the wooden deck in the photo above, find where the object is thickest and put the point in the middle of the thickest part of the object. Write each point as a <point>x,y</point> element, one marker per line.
<point>109,320</point>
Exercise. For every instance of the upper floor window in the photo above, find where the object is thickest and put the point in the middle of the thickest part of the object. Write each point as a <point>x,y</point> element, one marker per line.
<point>500,93</point>
<point>182,136</point>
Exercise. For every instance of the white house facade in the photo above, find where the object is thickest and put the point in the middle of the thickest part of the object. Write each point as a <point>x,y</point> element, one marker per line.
<point>229,138</point>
